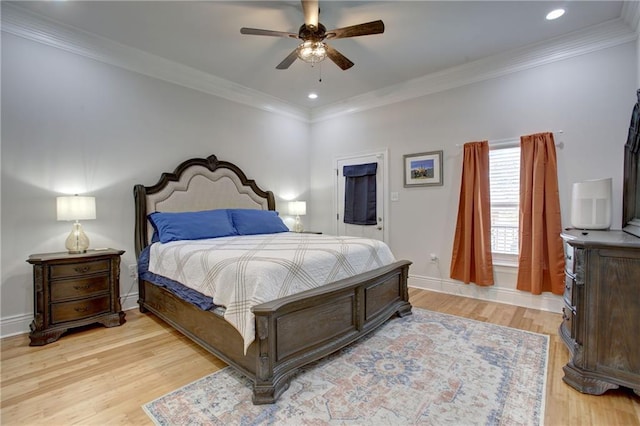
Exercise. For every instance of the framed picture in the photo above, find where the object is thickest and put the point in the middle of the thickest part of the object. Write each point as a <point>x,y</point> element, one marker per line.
<point>423,169</point>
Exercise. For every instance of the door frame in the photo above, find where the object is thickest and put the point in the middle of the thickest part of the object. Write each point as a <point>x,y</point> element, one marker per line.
<point>384,153</point>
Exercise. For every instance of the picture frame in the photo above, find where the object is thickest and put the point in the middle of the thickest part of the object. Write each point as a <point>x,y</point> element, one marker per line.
<point>423,169</point>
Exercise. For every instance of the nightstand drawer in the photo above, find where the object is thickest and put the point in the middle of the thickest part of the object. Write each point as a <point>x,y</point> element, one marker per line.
<point>69,311</point>
<point>79,288</point>
<point>78,269</point>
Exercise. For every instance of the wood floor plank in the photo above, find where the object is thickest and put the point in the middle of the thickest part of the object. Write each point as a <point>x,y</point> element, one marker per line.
<point>104,375</point>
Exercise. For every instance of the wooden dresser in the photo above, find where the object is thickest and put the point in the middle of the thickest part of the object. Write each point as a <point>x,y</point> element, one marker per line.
<point>601,317</point>
<point>72,290</point>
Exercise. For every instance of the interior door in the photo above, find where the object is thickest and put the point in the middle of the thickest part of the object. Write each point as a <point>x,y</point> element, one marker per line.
<point>378,231</point>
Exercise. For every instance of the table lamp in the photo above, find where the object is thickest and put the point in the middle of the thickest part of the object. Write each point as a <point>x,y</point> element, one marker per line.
<point>298,208</point>
<point>76,208</point>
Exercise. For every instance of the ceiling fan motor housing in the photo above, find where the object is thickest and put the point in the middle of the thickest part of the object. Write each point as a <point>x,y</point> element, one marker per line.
<point>308,32</point>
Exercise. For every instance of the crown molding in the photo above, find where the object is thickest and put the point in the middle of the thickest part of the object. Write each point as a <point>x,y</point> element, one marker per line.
<point>597,37</point>
<point>631,14</point>
<point>34,27</point>
<point>31,26</point>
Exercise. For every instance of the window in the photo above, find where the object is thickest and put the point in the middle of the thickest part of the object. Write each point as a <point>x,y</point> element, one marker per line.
<point>504,182</point>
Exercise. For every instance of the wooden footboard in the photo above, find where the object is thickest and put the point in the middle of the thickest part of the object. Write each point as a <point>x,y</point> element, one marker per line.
<point>292,331</point>
<point>296,330</point>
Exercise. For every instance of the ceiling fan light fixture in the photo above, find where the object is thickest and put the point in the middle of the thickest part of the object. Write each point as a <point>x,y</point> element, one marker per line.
<point>312,52</point>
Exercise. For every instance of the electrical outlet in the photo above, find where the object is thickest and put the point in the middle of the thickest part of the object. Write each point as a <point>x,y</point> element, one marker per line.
<point>433,257</point>
<point>133,271</point>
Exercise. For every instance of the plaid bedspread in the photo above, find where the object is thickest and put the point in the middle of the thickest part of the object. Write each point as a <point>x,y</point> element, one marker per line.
<point>243,271</point>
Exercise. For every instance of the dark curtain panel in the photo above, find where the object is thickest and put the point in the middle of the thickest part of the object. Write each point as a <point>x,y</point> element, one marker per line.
<point>360,194</point>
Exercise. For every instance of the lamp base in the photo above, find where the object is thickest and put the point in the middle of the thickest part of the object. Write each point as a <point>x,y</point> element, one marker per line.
<point>77,242</point>
<point>297,227</point>
<point>76,251</point>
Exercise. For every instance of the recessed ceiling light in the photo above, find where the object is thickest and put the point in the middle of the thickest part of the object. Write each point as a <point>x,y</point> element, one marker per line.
<point>312,95</point>
<point>555,14</point>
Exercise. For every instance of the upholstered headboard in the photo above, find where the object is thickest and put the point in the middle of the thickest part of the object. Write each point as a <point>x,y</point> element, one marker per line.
<point>197,184</point>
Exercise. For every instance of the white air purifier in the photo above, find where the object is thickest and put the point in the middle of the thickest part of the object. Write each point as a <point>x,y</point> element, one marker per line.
<point>591,204</point>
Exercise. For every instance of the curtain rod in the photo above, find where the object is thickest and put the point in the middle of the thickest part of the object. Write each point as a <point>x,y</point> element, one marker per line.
<point>497,143</point>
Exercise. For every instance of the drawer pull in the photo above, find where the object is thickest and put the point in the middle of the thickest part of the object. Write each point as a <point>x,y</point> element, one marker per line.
<point>82,269</point>
<point>82,287</point>
<point>81,309</point>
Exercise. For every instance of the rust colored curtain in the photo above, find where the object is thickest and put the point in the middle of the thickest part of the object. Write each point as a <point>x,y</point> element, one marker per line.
<point>471,259</point>
<point>541,259</point>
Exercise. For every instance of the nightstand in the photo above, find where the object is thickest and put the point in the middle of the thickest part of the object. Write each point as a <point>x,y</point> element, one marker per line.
<point>73,290</point>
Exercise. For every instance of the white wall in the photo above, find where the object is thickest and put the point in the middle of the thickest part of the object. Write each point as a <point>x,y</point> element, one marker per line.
<point>589,97</point>
<point>74,125</point>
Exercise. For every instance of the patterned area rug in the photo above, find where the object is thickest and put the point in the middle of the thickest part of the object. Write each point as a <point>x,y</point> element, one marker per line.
<point>427,368</point>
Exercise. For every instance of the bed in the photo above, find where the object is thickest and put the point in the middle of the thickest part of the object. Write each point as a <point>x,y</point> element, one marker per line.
<point>288,332</point>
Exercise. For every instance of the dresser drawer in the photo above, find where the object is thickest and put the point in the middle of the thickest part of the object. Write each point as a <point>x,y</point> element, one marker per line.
<point>567,318</point>
<point>79,288</point>
<point>569,256</point>
<point>568,290</point>
<point>69,311</point>
<point>78,269</point>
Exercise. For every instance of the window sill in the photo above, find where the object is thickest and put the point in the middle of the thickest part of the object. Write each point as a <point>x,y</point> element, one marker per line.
<point>505,264</point>
<point>505,260</point>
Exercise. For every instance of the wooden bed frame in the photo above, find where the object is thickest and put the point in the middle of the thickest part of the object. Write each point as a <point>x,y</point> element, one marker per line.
<point>291,331</point>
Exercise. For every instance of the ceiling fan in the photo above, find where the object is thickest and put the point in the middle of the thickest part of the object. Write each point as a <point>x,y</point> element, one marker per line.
<point>313,34</point>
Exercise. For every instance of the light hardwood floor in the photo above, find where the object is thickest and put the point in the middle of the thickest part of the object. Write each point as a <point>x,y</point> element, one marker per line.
<point>101,376</point>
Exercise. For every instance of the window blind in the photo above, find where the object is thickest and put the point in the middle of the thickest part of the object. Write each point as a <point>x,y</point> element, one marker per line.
<point>504,182</point>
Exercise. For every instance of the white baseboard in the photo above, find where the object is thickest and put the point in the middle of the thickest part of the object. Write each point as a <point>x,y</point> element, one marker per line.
<point>130,301</point>
<point>19,324</point>
<point>511,296</point>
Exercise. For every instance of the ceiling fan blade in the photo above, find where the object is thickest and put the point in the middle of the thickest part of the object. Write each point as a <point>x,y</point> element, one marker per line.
<point>311,11</point>
<point>286,63</point>
<point>255,31</point>
<point>374,27</point>
<point>339,59</point>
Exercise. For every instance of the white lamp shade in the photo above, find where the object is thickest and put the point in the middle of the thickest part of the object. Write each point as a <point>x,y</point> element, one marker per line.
<point>298,208</point>
<point>74,207</point>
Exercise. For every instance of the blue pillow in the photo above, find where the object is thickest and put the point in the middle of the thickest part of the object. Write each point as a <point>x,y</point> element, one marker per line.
<point>192,225</point>
<point>250,222</point>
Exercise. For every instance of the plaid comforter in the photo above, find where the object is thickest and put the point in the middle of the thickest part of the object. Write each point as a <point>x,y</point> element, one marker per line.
<point>243,271</point>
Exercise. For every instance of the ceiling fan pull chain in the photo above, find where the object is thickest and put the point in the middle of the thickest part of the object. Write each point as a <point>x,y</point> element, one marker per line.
<point>320,73</point>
